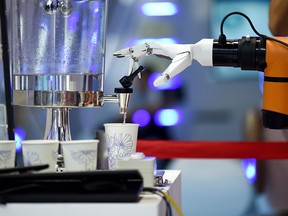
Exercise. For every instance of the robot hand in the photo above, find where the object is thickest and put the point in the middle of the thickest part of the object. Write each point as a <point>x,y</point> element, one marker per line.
<point>181,56</point>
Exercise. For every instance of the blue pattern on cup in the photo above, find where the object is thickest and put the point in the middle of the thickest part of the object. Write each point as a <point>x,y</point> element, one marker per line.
<point>5,156</point>
<point>120,145</point>
<point>32,158</point>
<point>87,157</point>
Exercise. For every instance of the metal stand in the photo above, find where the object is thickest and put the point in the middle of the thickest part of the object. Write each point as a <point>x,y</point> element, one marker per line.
<point>57,124</point>
<point>6,69</point>
<point>58,128</point>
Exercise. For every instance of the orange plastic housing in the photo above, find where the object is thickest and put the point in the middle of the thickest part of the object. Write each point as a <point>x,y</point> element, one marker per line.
<point>275,91</point>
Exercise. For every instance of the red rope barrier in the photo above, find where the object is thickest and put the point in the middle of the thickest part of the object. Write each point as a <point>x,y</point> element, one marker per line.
<point>169,149</point>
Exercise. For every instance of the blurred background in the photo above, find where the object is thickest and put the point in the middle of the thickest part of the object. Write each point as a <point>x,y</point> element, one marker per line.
<point>201,104</point>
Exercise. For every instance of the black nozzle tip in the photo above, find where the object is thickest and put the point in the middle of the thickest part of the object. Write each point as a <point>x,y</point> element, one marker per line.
<point>140,68</point>
<point>123,90</point>
<point>126,81</point>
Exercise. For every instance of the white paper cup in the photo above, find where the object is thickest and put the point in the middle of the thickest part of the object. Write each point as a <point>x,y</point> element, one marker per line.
<point>79,155</point>
<point>3,132</point>
<point>37,152</point>
<point>7,153</point>
<point>122,141</point>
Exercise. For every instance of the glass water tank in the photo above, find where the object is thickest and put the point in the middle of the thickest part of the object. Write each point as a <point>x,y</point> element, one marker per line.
<point>58,52</point>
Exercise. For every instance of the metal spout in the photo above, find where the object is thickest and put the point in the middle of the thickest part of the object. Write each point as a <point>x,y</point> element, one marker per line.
<point>57,124</point>
<point>121,97</point>
<point>124,102</point>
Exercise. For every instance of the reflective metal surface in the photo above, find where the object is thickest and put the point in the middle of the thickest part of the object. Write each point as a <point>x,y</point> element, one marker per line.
<point>72,90</point>
<point>121,98</point>
<point>57,124</point>
<point>58,128</point>
<point>59,99</point>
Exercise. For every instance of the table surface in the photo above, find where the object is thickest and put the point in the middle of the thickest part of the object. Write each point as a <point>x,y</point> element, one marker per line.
<point>149,204</point>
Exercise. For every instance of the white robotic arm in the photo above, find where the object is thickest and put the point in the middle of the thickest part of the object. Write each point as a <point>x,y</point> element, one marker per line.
<point>261,53</point>
<point>181,55</point>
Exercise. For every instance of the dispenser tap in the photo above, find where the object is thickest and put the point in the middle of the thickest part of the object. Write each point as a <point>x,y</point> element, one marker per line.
<point>123,94</point>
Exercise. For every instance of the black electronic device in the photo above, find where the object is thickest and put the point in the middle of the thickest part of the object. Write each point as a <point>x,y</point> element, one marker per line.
<point>23,169</point>
<point>93,186</point>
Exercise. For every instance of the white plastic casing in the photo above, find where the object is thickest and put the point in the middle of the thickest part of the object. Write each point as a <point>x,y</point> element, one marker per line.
<point>138,161</point>
<point>203,52</point>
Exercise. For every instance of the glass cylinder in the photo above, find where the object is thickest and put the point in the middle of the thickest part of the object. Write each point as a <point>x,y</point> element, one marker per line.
<point>58,52</point>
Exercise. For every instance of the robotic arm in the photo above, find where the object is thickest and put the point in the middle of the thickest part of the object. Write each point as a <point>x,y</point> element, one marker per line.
<point>248,53</point>
<point>180,54</point>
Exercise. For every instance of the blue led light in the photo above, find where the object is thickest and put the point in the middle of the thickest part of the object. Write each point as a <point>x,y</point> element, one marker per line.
<point>167,117</point>
<point>19,136</point>
<point>261,81</point>
<point>159,9</point>
<point>141,117</point>
<point>172,84</point>
<point>249,167</point>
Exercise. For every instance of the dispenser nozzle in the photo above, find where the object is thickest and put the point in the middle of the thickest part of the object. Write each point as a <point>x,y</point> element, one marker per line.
<point>125,92</point>
<point>123,97</point>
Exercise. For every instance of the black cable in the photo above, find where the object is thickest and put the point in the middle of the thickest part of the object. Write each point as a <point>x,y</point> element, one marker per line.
<point>6,70</point>
<point>161,194</point>
<point>241,14</point>
<point>222,37</point>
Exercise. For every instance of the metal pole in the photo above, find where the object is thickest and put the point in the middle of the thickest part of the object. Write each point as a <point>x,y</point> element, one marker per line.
<point>6,67</point>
